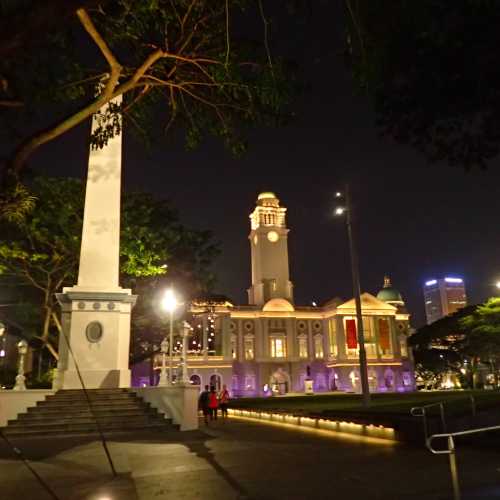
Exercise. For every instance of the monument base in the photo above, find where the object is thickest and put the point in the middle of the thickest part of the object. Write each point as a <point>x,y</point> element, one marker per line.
<point>93,379</point>
<point>97,327</point>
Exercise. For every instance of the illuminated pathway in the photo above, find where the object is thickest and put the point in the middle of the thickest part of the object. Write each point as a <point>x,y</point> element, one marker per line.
<point>244,460</point>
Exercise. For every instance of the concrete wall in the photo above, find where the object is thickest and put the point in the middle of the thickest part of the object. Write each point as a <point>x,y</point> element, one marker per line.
<point>12,403</point>
<point>180,403</point>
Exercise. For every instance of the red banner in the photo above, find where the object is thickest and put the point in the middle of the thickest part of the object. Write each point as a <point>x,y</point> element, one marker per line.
<point>351,334</point>
<point>383,334</point>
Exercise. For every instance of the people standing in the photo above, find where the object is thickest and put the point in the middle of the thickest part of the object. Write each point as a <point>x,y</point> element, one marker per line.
<point>223,401</point>
<point>213,403</point>
<point>203,404</point>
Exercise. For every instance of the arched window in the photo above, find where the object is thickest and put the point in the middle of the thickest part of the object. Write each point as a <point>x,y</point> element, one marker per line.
<point>303,351</point>
<point>216,381</point>
<point>234,346</point>
<point>249,347</point>
<point>195,380</point>
<point>318,346</point>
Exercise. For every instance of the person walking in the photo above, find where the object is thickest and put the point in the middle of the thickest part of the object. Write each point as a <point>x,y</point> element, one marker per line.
<point>213,403</point>
<point>223,401</point>
<point>203,404</point>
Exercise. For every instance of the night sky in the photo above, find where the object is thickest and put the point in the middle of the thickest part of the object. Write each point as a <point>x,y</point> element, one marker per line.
<point>414,221</point>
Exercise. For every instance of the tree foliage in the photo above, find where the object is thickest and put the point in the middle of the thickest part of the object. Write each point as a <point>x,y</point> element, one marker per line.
<point>41,251</point>
<point>460,342</point>
<point>432,70</point>
<point>177,64</point>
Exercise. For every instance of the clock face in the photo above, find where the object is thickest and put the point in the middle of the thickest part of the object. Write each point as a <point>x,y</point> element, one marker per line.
<point>255,239</point>
<point>273,236</point>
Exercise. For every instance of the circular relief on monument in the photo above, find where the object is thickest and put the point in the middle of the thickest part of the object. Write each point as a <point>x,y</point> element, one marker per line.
<point>301,326</point>
<point>81,305</point>
<point>317,326</point>
<point>96,305</point>
<point>248,326</point>
<point>94,331</point>
<point>111,306</point>
<point>232,326</point>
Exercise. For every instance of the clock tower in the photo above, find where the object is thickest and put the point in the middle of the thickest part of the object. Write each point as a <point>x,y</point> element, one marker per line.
<point>269,248</point>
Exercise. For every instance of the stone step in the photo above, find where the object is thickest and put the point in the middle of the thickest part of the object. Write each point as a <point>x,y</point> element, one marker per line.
<point>95,391</point>
<point>113,421</point>
<point>84,429</point>
<point>67,412</point>
<point>44,413</point>
<point>93,397</point>
<point>132,403</point>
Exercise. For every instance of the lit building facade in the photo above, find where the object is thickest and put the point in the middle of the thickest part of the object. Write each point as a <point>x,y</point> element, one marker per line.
<point>443,296</point>
<point>272,345</point>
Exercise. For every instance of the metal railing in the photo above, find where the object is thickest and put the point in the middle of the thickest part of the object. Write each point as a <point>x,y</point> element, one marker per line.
<point>450,451</point>
<point>421,411</point>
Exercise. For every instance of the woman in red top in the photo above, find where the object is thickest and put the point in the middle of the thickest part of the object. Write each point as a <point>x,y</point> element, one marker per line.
<point>213,403</point>
<point>223,401</point>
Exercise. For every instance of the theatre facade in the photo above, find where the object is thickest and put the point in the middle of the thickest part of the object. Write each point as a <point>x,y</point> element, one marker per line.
<point>272,345</point>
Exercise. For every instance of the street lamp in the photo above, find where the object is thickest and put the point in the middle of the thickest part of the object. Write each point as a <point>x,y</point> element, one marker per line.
<point>169,303</point>
<point>497,284</point>
<point>363,366</point>
<point>22,347</point>
<point>163,374</point>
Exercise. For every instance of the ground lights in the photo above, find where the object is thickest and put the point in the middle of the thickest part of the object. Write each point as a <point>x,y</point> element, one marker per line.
<point>369,433</point>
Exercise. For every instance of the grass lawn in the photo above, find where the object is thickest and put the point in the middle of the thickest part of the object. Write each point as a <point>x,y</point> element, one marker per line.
<point>456,402</point>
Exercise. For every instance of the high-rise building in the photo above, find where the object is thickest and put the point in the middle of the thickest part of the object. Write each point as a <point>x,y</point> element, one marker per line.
<point>443,296</point>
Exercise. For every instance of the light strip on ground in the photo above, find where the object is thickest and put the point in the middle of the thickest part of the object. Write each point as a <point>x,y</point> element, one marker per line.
<point>367,433</point>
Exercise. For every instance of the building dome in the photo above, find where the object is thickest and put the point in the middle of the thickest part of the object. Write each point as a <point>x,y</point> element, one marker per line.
<point>389,293</point>
<point>278,305</point>
<point>266,195</point>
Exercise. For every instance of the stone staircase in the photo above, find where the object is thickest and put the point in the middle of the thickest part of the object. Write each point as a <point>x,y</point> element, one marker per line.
<point>67,412</point>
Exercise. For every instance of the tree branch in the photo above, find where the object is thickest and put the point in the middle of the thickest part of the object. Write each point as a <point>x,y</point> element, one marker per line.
<point>29,146</point>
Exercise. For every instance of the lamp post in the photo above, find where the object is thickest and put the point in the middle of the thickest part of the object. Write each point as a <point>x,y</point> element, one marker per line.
<point>185,334</point>
<point>363,366</point>
<point>169,304</point>
<point>22,347</point>
<point>3,353</point>
<point>163,374</point>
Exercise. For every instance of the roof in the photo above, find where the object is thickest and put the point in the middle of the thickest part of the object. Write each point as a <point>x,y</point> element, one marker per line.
<point>368,303</point>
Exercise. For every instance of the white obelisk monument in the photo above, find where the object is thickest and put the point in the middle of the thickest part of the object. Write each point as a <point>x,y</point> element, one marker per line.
<point>96,312</point>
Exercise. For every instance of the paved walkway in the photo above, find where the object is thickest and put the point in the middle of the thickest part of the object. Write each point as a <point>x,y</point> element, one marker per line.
<point>242,460</point>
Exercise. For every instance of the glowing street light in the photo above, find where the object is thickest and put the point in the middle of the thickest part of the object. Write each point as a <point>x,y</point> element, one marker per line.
<point>169,303</point>
<point>497,284</point>
<point>363,366</point>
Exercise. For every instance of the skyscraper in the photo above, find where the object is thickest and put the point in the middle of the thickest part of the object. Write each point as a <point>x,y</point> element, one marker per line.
<point>443,296</point>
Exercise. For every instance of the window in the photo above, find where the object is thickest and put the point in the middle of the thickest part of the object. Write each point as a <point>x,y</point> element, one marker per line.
<point>303,346</point>
<point>234,383</point>
<point>234,344</point>
<point>351,337</point>
<point>249,382</point>
<point>384,337</point>
<point>369,335</point>
<point>332,334</point>
<point>249,347</point>
<point>403,346</point>
<point>318,346</point>
<point>278,347</point>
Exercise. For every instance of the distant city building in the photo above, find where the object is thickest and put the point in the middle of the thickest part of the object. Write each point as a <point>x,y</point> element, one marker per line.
<point>443,296</point>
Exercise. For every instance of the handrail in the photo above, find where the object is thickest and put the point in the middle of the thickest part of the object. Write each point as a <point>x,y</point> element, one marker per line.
<point>420,411</point>
<point>450,451</point>
<point>454,434</point>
